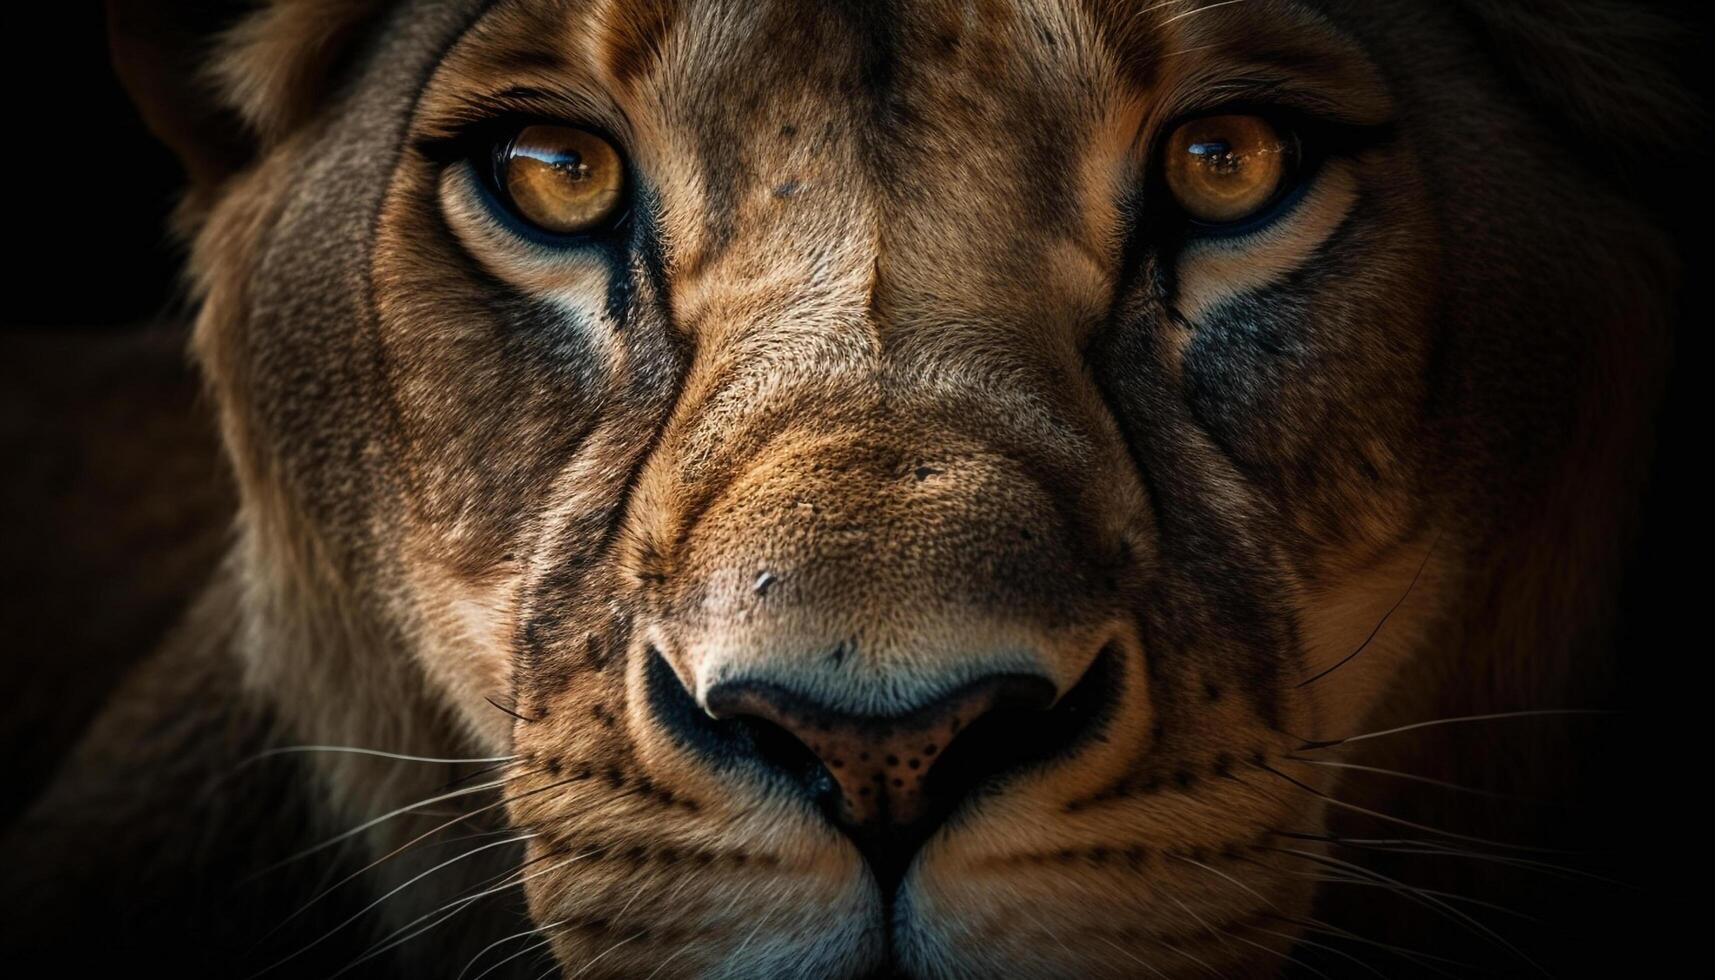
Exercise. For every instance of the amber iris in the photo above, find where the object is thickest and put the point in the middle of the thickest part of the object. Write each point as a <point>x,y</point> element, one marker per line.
<point>1223,169</point>
<point>562,179</point>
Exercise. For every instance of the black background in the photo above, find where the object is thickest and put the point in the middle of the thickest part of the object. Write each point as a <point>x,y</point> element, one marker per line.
<point>87,190</point>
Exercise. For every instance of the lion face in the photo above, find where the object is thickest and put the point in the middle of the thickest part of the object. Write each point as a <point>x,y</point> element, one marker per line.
<point>918,482</point>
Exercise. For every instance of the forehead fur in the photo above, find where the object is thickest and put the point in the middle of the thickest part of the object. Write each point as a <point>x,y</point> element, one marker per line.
<point>975,134</point>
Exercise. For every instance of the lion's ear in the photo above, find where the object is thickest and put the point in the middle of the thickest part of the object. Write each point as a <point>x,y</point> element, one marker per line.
<point>220,80</point>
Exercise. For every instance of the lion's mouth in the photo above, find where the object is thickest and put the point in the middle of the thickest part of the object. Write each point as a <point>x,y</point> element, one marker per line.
<point>999,745</point>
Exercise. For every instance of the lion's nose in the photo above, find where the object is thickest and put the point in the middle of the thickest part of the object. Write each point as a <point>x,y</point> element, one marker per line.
<point>881,764</point>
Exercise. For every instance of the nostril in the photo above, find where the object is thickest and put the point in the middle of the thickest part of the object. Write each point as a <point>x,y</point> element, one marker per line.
<point>1012,738</point>
<point>785,752</point>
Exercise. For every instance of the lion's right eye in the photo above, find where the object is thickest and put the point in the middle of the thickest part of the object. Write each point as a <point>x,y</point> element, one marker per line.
<point>561,179</point>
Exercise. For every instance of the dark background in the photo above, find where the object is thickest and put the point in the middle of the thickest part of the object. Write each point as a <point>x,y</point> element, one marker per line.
<point>92,276</point>
<point>107,449</point>
<point>88,191</point>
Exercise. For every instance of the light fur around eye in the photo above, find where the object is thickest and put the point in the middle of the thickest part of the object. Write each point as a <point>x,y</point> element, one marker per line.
<point>496,245</point>
<point>1213,270</point>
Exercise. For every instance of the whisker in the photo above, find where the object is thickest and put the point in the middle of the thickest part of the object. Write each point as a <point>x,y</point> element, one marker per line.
<point>502,941</point>
<point>1523,864</point>
<point>630,939</point>
<point>1199,10</point>
<point>375,753</point>
<point>1164,944</point>
<point>1377,814</point>
<point>1190,50</point>
<point>1152,8</point>
<point>459,904</point>
<point>1050,933</point>
<point>409,845</point>
<point>1301,941</point>
<point>546,956</point>
<point>347,835</point>
<point>502,707</point>
<point>1271,905</point>
<point>1310,922</point>
<point>1408,845</point>
<point>1217,933</point>
<point>440,916</point>
<point>1408,891</point>
<point>636,894</point>
<point>517,874</point>
<point>373,905</point>
<point>402,848</point>
<point>1337,879</point>
<point>1213,870</point>
<point>456,906</point>
<point>683,881</point>
<point>394,939</point>
<point>479,773</point>
<point>753,933</point>
<point>1133,957</point>
<point>545,943</point>
<point>663,964</point>
<point>1465,719</point>
<point>1413,777</point>
<point>473,836</point>
<point>615,917</point>
<point>1348,658</point>
<point>1416,957</point>
<point>1285,956</point>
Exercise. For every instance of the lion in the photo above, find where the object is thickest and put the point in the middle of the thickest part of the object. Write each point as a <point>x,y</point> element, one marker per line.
<point>926,489</point>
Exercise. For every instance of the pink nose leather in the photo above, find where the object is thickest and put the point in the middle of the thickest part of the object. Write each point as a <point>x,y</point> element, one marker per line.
<point>880,763</point>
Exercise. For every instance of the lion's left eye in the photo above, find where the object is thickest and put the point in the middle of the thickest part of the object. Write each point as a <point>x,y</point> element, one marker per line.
<point>561,179</point>
<point>1223,169</point>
